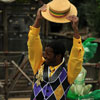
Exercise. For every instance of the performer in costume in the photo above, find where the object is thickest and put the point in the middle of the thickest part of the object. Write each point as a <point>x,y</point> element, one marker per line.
<point>53,77</point>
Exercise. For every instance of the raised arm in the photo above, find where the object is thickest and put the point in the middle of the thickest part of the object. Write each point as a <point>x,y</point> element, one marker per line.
<point>34,42</point>
<point>76,56</point>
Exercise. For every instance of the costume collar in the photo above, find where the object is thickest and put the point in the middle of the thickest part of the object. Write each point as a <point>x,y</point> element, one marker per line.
<point>56,73</point>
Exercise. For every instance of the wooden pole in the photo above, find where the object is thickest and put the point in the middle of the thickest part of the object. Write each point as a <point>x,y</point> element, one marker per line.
<point>6,80</point>
<point>13,62</point>
<point>18,74</point>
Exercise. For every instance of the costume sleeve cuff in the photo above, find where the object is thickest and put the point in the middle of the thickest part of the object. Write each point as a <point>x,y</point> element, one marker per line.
<point>77,42</point>
<point>34,30</point>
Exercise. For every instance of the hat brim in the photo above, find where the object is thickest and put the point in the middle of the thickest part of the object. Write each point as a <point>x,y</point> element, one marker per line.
<point>49,17</point>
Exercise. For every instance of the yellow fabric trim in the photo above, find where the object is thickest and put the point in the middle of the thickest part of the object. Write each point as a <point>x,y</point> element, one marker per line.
<point>34,49</point>
<point>75,60</point>
<point>34,31</point>
<point>53,68</point>
<point>77,42</point>
<point>59,92</point>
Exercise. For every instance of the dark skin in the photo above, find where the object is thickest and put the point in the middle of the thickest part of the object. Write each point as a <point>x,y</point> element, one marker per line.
<point>50,57</point>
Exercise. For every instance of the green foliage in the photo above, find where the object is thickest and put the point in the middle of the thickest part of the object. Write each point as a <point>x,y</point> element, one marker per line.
<point>95,95</point>
<point>89,48</point>
<point>98,2</point>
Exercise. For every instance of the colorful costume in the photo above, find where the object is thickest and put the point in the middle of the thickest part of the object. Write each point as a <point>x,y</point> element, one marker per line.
<point>52,82</point>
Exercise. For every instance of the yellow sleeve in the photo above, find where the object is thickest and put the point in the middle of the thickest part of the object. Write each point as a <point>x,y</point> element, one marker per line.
<point>34,48</point>
<point>75,60</point>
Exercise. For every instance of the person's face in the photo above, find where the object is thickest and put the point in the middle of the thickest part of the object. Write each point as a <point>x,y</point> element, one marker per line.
<point>50,56</point>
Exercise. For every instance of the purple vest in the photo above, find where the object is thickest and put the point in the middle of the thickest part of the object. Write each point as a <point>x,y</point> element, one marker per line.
<point>53,88</point>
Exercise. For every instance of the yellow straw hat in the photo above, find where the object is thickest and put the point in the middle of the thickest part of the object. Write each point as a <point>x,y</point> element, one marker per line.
<point>58,10</point>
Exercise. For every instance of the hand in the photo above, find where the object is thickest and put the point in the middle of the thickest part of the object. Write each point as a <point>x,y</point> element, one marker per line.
<point>43,8</point>
<point>37,22</point>
<point>74,20</point>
